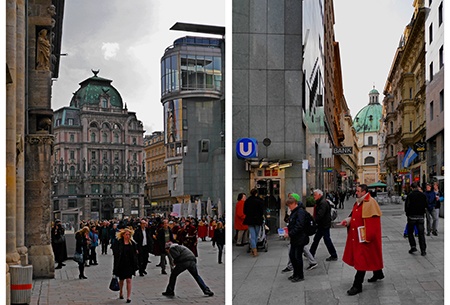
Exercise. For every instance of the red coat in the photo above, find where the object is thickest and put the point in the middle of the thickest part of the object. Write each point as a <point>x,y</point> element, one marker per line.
<point>239,216</point>
<point>365,256</point>
<point>202,230</point>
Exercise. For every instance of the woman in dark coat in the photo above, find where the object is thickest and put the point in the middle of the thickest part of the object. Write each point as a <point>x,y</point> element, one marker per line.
<point>59,244</point>
<point>81,246</point>
<point>125,260</point>
<point>219,239</point>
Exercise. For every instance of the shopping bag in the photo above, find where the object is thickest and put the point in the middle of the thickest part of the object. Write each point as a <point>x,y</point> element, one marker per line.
<point>114,284</point>
<point>78,257</point>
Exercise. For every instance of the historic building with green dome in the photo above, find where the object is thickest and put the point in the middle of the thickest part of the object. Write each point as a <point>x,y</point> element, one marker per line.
<point>97,165</point>
<point>367,127</point>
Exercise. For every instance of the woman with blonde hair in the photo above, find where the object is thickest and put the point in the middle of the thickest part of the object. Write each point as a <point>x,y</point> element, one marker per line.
<point>81,246</point>
<point>125,259</point>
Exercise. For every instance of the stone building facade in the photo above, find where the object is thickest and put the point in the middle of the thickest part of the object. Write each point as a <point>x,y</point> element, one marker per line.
<point>33,43</point>
<point>98,161</point>
<point>157,197</point>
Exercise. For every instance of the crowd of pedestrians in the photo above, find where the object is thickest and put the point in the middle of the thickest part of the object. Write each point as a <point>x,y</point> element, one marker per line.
<point>363,248</point>
<point>132,240</point>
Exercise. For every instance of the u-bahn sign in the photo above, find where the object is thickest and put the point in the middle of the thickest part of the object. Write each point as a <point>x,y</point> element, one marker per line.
<point>343,150</point>
<point>246,148</point>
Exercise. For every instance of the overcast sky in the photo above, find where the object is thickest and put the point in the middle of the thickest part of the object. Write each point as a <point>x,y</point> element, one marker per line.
<point>125,40</point>
<point>368,33</point>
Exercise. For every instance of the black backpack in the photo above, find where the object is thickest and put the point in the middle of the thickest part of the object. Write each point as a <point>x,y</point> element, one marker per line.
<point>310,224</point>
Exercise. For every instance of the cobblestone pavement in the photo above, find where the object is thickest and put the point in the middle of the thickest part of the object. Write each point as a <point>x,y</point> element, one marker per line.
<point>409,279</point>
<point>66,288</point>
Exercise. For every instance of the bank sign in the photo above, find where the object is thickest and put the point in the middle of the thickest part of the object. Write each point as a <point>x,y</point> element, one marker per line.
<point>246,148</point>
<point>343,150</point>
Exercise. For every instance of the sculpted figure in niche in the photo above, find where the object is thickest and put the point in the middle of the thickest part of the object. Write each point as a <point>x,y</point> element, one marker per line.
<point>43,51</point>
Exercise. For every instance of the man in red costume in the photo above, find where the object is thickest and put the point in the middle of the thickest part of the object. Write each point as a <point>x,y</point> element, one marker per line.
<point>363,249</point>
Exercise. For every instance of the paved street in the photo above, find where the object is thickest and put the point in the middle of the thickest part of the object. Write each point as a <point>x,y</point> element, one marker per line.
<point>66,288</point>
<point>409,279</point>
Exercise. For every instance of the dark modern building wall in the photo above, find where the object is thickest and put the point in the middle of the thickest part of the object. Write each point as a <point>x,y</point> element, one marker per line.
<point>267,86</point>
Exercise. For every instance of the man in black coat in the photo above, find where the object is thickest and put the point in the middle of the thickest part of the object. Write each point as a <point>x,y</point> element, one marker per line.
<point>298,238</point>
<point>254,217</point>
<point>59,244</point>
<point>144,240</point>
<point>323,219</point>
<point>164,235</point>
<point>415,209</point>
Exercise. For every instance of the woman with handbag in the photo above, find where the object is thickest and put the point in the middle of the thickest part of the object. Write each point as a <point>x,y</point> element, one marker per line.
<point>125,260</point>
<point>81,247</point>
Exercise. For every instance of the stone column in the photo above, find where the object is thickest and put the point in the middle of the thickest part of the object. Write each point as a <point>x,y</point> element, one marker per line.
<point>12,257</point>
<point>20,131</point>
<point>38,203</point>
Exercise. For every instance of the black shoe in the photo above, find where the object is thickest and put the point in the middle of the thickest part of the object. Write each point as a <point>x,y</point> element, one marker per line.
<point>428,234</point>
<point>291,277</point>
<point>208,293</point>
<point>311,266</point>
<point>121,297</point>
<point>354,290</point>
<point>62,264</point>
<point>287,269</point>
<point>82,277</point>
<point>58,267</point>
<point>128,301</point>
<point>141,274</point>
<point>144,272</point>
<point>412,250</point>
<point>163,272</point>
<point>297,279</point>
<point>434,233</point>
<point>405,235</point>
<point>375,278</point>
<point>331,259</point>
<point>94,264</point>
<point>168,294</point>
<point>423,253</point>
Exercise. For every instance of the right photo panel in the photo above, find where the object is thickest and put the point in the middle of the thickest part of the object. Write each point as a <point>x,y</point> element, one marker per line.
<point>337,152</point>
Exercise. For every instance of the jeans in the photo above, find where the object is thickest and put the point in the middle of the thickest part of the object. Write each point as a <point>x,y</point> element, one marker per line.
<point>220,248</point>
<point>190,266</point>
<point>254,232</point>
<point>295,256</point>
<point>419,222</point>
<point>325,233</point>
<point>429,216</point>
<point>435,215</point>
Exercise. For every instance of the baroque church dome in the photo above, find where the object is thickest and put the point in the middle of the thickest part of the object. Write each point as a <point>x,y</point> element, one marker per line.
<point>368,118</point>
<point>93,89</point>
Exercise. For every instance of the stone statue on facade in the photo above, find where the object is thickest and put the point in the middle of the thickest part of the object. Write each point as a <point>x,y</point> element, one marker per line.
<point>43,51</point>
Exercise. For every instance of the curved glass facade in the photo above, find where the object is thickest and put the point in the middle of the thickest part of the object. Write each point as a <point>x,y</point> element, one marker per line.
<point>184,69</point>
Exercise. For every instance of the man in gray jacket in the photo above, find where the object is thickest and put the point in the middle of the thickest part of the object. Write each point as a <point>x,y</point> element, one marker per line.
<point>183,259</point>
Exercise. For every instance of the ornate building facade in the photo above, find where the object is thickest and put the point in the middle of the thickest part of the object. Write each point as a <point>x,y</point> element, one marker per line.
<point>367,127</point>
<point>98,160</point>
<point>157,197</point>
<point>405,105</point>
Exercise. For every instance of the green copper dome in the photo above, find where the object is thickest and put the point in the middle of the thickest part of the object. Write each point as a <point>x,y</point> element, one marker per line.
<point>368,118</point>
<point>95,89</point>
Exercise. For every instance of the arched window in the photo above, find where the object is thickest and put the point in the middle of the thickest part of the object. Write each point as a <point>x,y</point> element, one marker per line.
<point>105,137</point>
<point>116,137</point>
<point>391,127</point>
<point>72,171</point>
<point>370,140</point>
<point>369,160</point>
<point>93,137</point>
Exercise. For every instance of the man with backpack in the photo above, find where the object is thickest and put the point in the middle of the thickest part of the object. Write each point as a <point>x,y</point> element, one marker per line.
<point>298,238</point>
<point>322,215</point>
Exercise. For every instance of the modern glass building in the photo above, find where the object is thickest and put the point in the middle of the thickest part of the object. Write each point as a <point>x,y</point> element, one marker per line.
<point>192,94</point>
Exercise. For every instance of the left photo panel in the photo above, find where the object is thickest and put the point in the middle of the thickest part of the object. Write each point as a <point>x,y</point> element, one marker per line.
<point>115,152</point>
